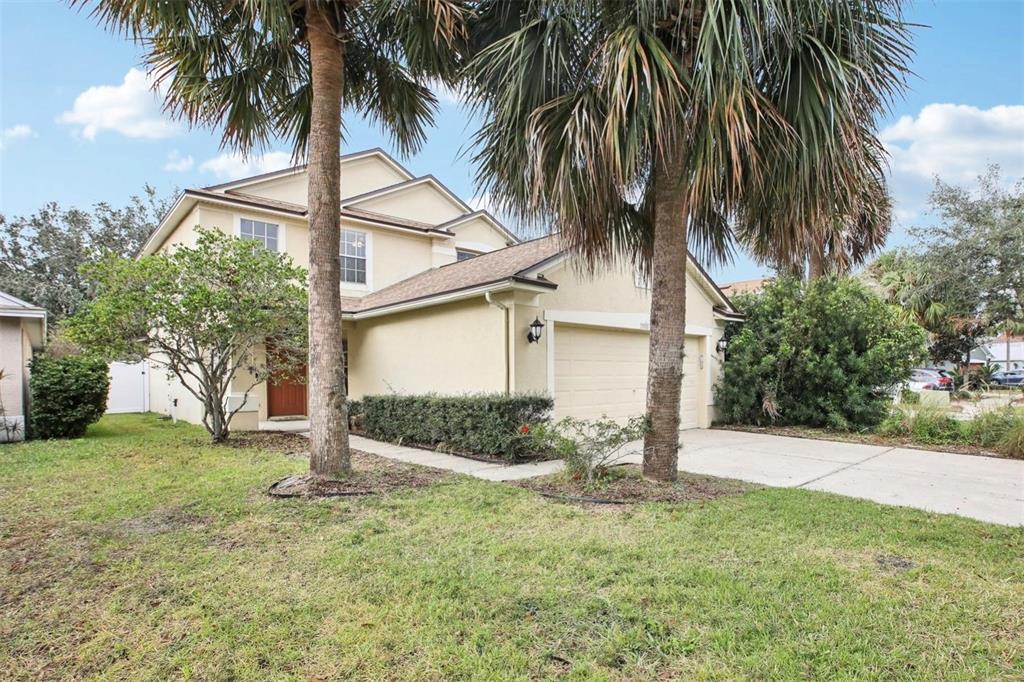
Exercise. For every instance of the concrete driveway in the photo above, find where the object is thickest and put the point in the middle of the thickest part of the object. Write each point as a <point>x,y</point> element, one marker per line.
<point>985,488</point>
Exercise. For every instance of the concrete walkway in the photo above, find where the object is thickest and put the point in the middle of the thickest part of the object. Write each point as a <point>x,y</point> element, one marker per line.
<point>985,488</point>
<point>460,465</point>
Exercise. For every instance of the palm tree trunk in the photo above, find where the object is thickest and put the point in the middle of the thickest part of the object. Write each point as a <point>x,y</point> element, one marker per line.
<point>816,267</point>
<point>668,319</point>
<point>328,411</point>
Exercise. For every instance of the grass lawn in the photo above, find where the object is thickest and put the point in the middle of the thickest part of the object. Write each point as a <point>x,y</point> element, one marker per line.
<point>143,552</point>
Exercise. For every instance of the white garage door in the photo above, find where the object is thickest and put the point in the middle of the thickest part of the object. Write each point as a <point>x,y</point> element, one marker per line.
<point>604,372</point>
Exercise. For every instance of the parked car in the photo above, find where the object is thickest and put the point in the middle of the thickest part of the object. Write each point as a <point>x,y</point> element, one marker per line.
<point>1012,377</point>
<point>929,379</point>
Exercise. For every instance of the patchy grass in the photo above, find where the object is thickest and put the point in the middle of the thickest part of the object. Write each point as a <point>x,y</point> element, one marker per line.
<point>141,552</point>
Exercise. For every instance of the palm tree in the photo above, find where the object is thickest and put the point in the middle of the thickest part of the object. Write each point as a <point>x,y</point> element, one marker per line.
<point>287,68</point>
<point>644,128</point>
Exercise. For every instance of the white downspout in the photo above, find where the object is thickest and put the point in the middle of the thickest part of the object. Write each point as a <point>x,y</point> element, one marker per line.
<point>504,308</point>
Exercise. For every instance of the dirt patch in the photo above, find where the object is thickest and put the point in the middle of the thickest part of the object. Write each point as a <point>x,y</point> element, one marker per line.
<point>863,438</point>
<point>893,563</point>
<point>271,441</point>
<point>163,520</point>
<point>625,485</point>
<point>370,475</point>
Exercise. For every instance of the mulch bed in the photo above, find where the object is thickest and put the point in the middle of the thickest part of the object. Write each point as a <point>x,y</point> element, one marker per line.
<point>863,438</point>
<point>371,474</point>
<point>625,485</point>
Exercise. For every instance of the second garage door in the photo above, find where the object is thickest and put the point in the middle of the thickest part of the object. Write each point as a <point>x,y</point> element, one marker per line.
<point>602,371</point>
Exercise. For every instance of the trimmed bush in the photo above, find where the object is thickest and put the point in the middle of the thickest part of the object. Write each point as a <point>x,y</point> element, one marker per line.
<point>68,394</point>
<point>484,424</point>
<point>828,353</point>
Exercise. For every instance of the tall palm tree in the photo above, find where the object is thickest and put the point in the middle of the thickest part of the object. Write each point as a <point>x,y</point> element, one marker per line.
<point>287,68</point>
<point>642,128</point>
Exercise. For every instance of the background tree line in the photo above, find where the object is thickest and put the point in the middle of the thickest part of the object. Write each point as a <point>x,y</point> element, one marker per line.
<point>41,253</point>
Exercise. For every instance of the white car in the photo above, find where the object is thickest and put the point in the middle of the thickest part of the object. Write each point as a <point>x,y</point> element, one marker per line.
<point>923,379</point>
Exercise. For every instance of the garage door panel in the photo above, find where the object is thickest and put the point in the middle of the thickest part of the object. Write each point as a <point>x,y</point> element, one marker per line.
<point>604,372</point>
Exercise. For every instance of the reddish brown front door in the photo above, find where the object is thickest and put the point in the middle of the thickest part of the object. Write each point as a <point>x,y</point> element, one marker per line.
<point>286,396</point>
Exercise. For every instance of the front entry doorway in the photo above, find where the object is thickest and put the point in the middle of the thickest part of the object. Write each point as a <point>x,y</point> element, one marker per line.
<point>286,394</point>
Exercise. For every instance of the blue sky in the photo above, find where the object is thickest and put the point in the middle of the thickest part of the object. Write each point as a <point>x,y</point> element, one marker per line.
<point>78,125</point>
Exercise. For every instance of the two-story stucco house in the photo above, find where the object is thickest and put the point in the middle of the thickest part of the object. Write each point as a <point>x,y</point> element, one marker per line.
<point>440,298</point>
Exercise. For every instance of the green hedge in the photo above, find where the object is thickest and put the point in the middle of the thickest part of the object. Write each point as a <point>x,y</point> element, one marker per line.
<point>68,394</point>
<point>485,424</point>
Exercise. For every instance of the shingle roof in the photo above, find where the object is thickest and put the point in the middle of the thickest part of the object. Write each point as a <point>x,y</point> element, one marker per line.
<point>12,303</point>
<point>508,264</point>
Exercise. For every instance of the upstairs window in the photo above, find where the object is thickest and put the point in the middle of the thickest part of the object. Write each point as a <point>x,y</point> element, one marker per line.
<point>259,231</point>
<point>463,254</point>
<point>353,257</point>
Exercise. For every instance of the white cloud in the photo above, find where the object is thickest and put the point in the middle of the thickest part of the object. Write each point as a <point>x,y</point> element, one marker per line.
<point>16,132</point>
<point>176,163</point>
<point>131,109</point>
<point>232,166</point>
<point>955,142</point>
<point>445,94</point>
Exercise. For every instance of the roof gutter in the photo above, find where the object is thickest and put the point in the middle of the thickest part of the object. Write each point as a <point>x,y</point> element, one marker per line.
<point>450,297</point>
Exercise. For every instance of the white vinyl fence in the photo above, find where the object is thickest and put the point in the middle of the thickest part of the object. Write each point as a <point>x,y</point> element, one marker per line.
<point>129,387</point>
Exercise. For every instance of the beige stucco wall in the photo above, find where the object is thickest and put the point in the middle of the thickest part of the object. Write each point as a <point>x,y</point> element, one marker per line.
<point>612,291</point>
<point>357,176</point>
<point>393,256</point>
<point>12,361</point>
<point>453,348</point>
<point>476,232</point>
<point>291,188</point>
<point>420,202</point>
<point>15,355</point>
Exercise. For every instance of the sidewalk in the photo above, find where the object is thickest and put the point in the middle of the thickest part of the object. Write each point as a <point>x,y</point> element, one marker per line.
<point>460,465</point>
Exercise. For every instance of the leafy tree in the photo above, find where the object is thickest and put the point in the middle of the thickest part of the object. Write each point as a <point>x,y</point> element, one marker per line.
<point>964,277</point>
<point>40,254</point>
<point>203,312</point>
<point>646,128</point>
<point>286,68</point>
<point>823,353</point>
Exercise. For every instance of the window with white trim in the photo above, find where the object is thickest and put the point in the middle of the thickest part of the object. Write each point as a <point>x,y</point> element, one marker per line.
<point>465,254</point>
<point>259,231</point>
<point>353,257</point>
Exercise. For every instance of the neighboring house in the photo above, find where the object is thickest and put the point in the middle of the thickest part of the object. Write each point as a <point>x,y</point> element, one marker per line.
<point>747,286</point>
<point>1005,351</point>
<point>439,298</point>
<point>22,332</point>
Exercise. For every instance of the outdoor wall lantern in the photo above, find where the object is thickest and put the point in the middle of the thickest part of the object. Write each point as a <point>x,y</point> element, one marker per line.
<point>721,345</point>
<point>536,327</point>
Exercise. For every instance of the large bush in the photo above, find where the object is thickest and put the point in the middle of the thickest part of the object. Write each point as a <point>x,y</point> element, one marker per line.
<point>68,394</point>
<point>487,424</point>
<point>826,353</point>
